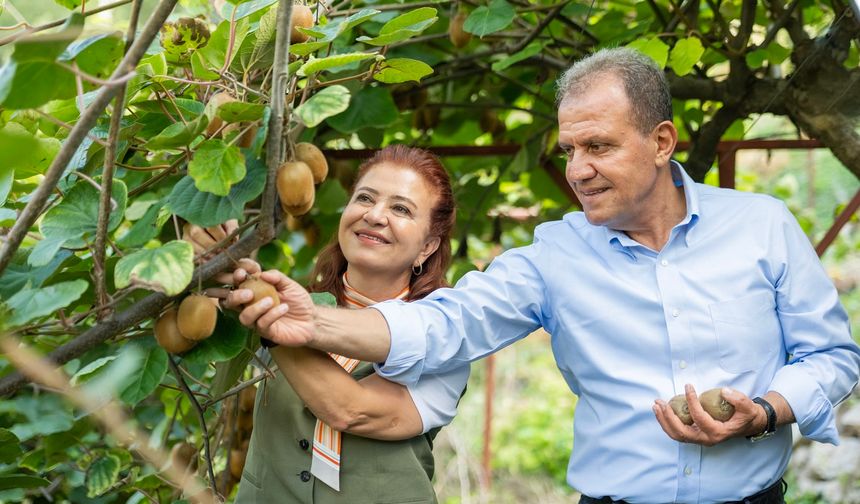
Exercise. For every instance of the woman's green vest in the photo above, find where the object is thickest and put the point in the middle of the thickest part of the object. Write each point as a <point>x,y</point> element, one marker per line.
<point>277,469</point>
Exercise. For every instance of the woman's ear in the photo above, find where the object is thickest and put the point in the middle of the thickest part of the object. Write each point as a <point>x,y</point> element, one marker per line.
<point>430,246</point>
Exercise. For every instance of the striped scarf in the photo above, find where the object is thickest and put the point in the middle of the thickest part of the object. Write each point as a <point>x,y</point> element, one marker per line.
<point>325,464</point>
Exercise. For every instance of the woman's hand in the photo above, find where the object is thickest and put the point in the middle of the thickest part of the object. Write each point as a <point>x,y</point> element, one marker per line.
<point>290,323</point>
<point>204,239</point>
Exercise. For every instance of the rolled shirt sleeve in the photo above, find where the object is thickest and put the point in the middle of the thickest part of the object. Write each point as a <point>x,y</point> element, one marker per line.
<point>436,396</point>
<point>824,360</point>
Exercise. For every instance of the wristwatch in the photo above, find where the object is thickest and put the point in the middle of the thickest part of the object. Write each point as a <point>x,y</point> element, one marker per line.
<point>770,429</point>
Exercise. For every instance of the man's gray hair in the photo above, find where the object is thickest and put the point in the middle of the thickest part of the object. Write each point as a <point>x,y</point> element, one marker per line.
<point>644,82</point>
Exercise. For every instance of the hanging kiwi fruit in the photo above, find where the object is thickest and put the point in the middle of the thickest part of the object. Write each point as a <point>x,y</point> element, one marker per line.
<point>168,336</point>
<point>309,154</point>
<point>458,36</point>
<point>295,184</point>
<point>196,317</point>
<point>302,18</point>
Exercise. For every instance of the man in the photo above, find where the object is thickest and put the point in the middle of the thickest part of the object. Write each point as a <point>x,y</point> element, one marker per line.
<point>659,285</point>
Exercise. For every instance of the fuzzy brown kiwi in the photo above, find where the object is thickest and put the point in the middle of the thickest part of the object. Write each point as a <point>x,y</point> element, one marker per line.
<point>309,154</point>
<point>216,101</point>
<point>261,289</point>
<point>246,398</point>
<point>302,17</point>
<point>298,210</point>
<point>196,317</point>
<point>168,336</point>
<point>183,455</point>
<point>237,462</point>
<point>714,404</point>
<point>248,136</point>
<point>679,406</point>
<point>458,36</point>
<point>295,183</point>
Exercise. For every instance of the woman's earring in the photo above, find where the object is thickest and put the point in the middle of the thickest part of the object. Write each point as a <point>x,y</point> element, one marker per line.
<point>420,269</point>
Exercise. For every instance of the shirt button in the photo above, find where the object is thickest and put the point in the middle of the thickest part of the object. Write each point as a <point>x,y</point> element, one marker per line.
<point>664,263</point>
<point>304,444</point>
<point>305,476</point>
<point>682,364</point>
<point>676,312</point>
<point>688,471</point>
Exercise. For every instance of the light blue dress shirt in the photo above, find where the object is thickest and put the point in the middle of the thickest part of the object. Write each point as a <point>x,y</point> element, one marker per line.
<point>737,298</point>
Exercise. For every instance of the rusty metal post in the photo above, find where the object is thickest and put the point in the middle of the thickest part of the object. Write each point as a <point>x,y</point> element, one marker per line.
<point>840,221</point>
<point>489,393</point>
<point>726,160</point>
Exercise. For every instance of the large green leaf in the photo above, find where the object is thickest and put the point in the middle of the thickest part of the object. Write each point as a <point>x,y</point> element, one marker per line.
<point>206,209</point>
<point>653,48</point>
<point>402,27</point>
<point>7,176</point>
<point>31,304</point>
<point>326,103</point>
<point>146,228</point>
<point>97,55</point>
<point>237,111</point>
<point>527,52</point>
<point>31,84</point>
<point>490,18</point>
<point>188,108</point>
<point>76,217</point>
<point>215,53</point>
<point>10,481</point>
<point>331,62</point>
<point>90,370</point>
<point>20,275</point>
<point>48,46</point>
<point>166,269</point>
<point>24,152</point>
<point>102,474</point>
<point>227,373</point>
<point>69,4</point>
<point>178,134</point>
<point>45,415</point>
<point>226,342</point>
<point>373,108</point>
<point>216,166</point>
<point>145,379</point>
<point>685,55</point>
<point>10,446</point>
<point>45,250</point>
<point>398,70</point>
<point>328,32</point>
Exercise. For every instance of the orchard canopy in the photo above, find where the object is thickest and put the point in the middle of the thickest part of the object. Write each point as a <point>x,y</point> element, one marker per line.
<point>123,121</point>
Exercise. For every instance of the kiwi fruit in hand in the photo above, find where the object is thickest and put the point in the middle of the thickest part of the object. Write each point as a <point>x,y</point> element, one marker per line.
<point>712,402</point>
<point>679,406</point>
<point>261,289</point>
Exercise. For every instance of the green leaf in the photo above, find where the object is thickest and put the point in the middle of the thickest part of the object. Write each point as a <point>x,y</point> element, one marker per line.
<point>319,64</point>
<point>31,304</point>
<point>227,373</point>
<point>91,369</point>
<point>7,176</point>
<point>373,107</point>
<point>237,111</point>
<point>188,108</point>
<point>69,4</point>
<point>102,474</point>
<point>331,197</point>
<point>45,415</point>
<point>777,53</point>
<point>306,48</point>
<point>530,50</point>
<point>24,152</point>
<point>145,379</point>
<point>206,209</point>
<point>184,37</point>
<point>146,228</point>
<point>653,48</point>
<point>47,47</point>
<point>226,342</point>
<point>45,250</point>
<point>178,134</point>
<point>685,55</point>
<point>76,217</point>
<point>97,55</point>
<point>166,269</point>
<point>398,70</point>
<point>323,299</point>
<point>403,27</point>
<point>490,19</point>
<point>31,84</point>
<point>328,32</point>
<point>19,275</point>
<point>10,446</point>
<point>215,52</point>
<point>216,166</point>
<point>7,217</point>
<point>9,481</point>
<point>326,103</point>
<point>248,8</point>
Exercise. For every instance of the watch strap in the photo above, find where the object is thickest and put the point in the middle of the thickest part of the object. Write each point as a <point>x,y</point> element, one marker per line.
<point>267,343</point>
<point>770,428</point>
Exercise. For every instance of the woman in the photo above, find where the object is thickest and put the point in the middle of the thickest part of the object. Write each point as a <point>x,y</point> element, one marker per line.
<point>393,242</point>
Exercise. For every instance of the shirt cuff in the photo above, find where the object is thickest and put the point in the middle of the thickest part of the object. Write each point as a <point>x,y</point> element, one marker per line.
<point>812,410</point>
<point>405,360</point>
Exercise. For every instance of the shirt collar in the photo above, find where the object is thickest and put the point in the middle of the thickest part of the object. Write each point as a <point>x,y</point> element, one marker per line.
<point>619,239</point>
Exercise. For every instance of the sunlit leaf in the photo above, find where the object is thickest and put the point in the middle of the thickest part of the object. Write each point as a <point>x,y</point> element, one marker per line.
<point>216,166</point>
<point>237,111</point>
<point>90,369</point>
<point>76,217</point>
<point>24,152</point>
<point>653,48</point>
<point>102,474</point>
<point>30,304</point>
<point>206,209</point>
<point>331,62</point>
<point>398,70</point>
<point>178,134</point>
<point>166,269</point>
<point>324,104</point>
<point>530,50</point>
<point>48,46</point>
<point>31,84</point>
<point>685,55</point>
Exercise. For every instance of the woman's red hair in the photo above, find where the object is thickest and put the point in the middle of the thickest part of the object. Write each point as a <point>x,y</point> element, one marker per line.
<point>331,264</point>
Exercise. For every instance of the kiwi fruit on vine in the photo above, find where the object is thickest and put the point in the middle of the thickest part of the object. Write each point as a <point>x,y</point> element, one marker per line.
<point>248,135</point>
<point>216,101</point>
<point>425,118</point>
<point>168,336</point>
<point>714,404</point>
<point>298,210</point>
<point>295,184</point>
<point>261,289</point>
<point>309,154</point>
<point>302,17</point>
<point>183,455</point>
<point>679,406</point>
<point>237,462</point>
<point>458,36</point>
<point>247,396</point>
<point>196,317</point>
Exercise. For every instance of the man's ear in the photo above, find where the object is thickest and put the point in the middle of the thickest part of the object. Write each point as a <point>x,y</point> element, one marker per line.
<point>666,138</point>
